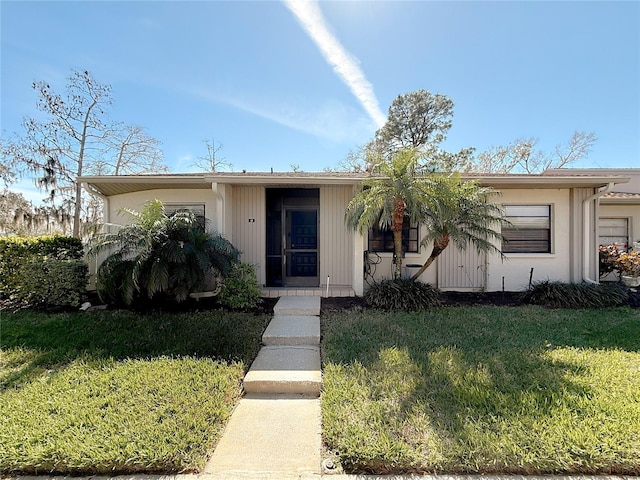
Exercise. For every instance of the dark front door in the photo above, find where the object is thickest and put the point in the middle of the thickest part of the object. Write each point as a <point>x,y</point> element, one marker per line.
<point>301,252</point>
<point>292,237</point>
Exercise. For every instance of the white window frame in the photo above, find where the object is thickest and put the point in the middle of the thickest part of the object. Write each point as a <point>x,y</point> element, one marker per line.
<point>551,217</point>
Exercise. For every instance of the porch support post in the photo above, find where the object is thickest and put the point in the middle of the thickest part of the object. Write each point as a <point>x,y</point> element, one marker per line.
<point>219,220</point>
<point>358,263</point>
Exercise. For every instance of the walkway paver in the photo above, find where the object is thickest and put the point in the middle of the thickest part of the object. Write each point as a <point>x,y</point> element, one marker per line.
<point>292,330</point>
<point>297,306</point>
<point>285,369</point>
<point>276,429</point>
<point>271,434</point>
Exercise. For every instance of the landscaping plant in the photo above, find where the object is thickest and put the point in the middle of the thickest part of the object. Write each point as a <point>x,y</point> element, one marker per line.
<point>41,272</point>
<point>576,295</point>
<point>160,256</point>
<point>240,289</point>
<point>402,294</point>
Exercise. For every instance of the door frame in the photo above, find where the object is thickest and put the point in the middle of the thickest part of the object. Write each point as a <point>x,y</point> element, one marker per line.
<point>279,201</point>
<point>293,280</point>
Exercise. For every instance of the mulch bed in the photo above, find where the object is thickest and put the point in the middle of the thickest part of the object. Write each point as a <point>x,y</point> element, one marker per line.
<point>508,299</point>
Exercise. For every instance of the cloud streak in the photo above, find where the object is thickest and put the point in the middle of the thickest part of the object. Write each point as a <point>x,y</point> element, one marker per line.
<point>310,17</point>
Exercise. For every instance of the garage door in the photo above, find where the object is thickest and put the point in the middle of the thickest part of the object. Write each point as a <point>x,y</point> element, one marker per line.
<point>613,230</point>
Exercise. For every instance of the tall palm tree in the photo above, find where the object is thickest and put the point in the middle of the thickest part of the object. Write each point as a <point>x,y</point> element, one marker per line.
<point>458,212</point>
<point>395,192</point>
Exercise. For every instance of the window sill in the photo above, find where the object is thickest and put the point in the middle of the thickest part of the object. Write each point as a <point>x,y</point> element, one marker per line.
<point>530,255</point>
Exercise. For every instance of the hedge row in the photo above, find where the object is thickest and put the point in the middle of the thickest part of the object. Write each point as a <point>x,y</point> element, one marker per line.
<point>42,271</point>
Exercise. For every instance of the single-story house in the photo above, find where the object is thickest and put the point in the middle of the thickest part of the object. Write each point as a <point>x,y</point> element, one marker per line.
<point>291,227</point>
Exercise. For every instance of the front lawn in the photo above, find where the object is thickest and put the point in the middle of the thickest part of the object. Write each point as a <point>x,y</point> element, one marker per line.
<point>522,390</point>
<point>119,392</point>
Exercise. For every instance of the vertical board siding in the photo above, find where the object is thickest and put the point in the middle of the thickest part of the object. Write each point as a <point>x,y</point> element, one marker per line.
<point>461,269</point>
<point>249,236</point>
<point>336,240</point>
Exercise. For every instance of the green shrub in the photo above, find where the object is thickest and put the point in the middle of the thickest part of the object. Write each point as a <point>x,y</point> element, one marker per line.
<point>240,289</point>
<point>576,295</point>
<point>402,294</point>
<point>42,271</point>
<point>52,282</point>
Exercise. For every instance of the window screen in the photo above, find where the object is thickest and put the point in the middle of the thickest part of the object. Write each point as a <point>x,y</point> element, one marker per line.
<point>530,229</point>
<point>382,240</point>
<point>196,208</point>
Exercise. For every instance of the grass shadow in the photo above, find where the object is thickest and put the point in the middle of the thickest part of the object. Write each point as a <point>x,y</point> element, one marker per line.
<point>34,342</point>
<point>484,390</point>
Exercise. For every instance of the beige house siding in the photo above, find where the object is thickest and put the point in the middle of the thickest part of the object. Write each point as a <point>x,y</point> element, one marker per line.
<point>336,254</point>
<point>514,270</point>
<point>583,234</point>
<point>463,270</point>
<point>136,201</point>
<point>249,226</point>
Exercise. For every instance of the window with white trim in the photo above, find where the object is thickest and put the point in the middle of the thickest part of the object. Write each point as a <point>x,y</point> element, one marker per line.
<point>529,230</point>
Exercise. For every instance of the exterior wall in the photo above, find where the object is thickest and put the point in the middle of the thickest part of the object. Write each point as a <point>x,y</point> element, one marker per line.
<point>249,228</point>
<point>462,270</point>
<point>584,228</point>
<point>336,256</point>
<point>239,213</point>
<point>385,268</point>
<point>516,267</point>
<point>137,200</point>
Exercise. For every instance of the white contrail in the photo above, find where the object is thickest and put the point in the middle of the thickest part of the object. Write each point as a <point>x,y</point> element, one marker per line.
<point>310,17</point>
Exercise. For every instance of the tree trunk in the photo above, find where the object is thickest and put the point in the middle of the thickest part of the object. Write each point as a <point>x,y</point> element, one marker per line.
<point>83,140</point>
<point>439,245</point>
<point>399,208</point>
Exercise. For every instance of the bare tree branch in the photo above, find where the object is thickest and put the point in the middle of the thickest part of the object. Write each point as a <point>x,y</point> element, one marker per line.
<point>211,162</point>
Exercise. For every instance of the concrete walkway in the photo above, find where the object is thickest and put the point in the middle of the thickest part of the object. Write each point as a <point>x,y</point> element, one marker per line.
<point>275,432</point>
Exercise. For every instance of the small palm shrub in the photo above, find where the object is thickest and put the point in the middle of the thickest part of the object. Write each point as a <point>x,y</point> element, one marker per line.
<point>576,295</point>
<point>240,289</point>
<point>402,294</point>
<point>160,256</point>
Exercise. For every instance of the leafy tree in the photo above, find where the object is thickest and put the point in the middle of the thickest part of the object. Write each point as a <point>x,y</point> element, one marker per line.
<point>421,120</point>
<point>159,254</point>
<point>395,192</point>
<point>73,138</point>
<point>458,212</point>
<point>417,120</point>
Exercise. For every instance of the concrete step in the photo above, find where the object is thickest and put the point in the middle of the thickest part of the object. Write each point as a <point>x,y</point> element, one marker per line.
<point>273,435</point>
<point>297,306</point>
<point>292,330</point>
<point>285,370</point>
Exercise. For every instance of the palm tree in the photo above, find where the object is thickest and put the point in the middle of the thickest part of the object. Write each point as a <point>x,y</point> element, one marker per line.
<point>460,212</point>
<point>395,192</point>
<point>160,254</point>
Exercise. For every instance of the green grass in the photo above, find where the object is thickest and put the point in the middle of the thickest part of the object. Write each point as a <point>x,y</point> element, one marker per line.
<point>119,392</point>
<point>484,390</point>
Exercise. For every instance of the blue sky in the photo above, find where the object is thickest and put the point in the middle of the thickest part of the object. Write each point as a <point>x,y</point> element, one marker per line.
<point>301,83</point>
